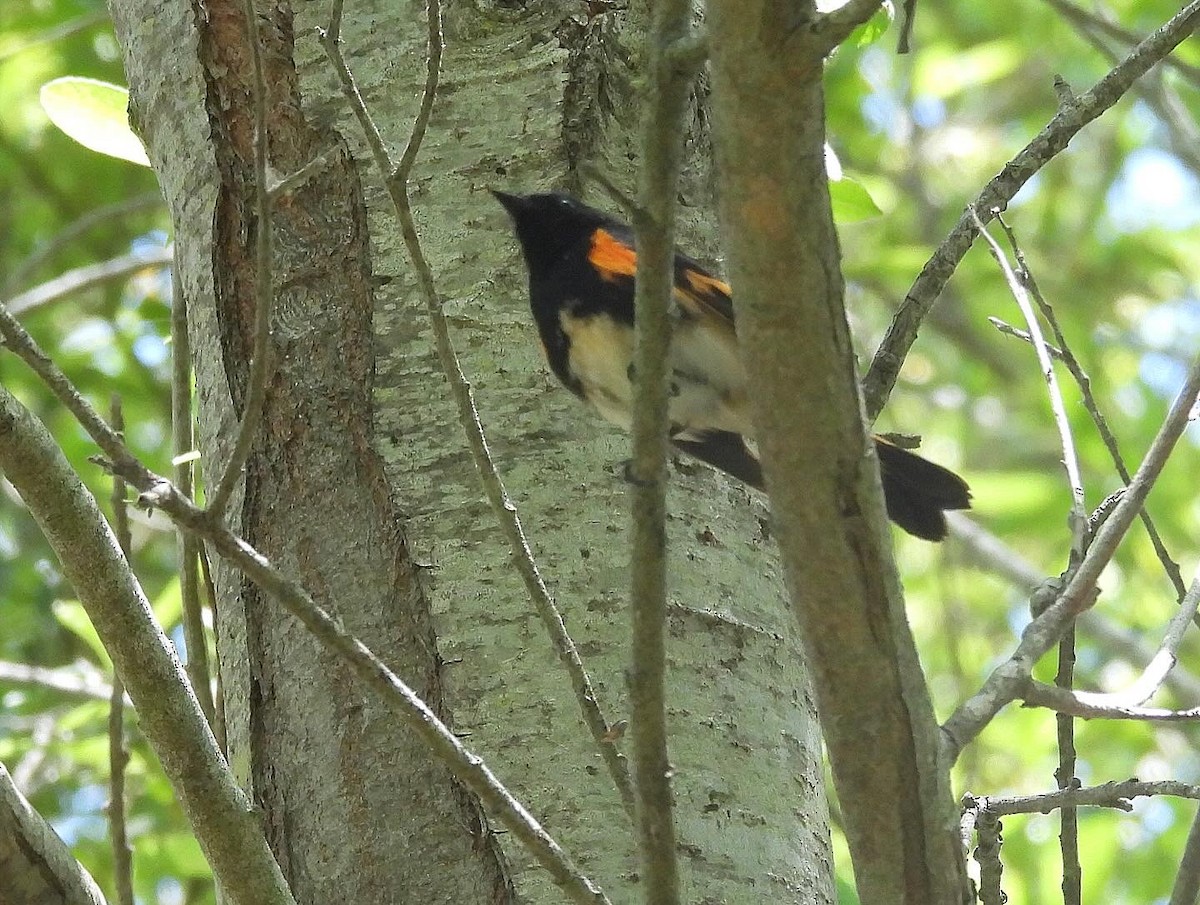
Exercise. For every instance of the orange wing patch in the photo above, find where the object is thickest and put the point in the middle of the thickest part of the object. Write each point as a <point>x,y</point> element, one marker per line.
<point>704,296</point>
<point>611,257</point>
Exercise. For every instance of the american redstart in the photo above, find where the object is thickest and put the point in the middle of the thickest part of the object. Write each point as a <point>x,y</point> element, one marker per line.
<point>582,264</point>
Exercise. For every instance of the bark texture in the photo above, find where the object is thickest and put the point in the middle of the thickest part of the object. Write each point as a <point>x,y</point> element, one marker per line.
<point>352,805</point>
<point>36,866</point>
<point>529,92</point>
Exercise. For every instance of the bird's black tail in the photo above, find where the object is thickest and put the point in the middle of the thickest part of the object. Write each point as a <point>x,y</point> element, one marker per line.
<point>724,450</point>
<point>918,492</point>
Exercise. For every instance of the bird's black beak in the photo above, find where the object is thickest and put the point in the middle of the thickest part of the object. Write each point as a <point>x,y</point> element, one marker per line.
<point>514,204</point>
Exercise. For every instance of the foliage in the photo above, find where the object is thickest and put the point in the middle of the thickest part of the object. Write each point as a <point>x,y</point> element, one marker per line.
<point>1109,231</point>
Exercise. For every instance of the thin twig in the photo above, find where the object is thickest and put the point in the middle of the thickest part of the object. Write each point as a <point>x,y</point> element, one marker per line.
<point>168,716</point>
<point>41,731</point>
<point>1090,706</point>
<point>904,44</point>
<point>292,181</point>
<point>62,878</point>
<point>101,216</point>
<point>1018,286</point>
<point>1164,660</point>
<point>220,729</point>
<point>118,754</point>
<point>623,199</point>
<point>1010,679</point>
<point>56,33</point>
<point>264,279</point>
<point>183,444</point>
<point>1092,406</point>
<point>1064,678</point>
<point>984,814</point>
<point>1108,795</point>
<point>1052,140</point>
<point>1068,832</point>
<point>80,679</point>
<point>835,26</point>
<point>987,856</point>
<point>22,344</point>
<point>662,152</point>
<point>81,278</point>
<point>1183,134</point>
<point>433,70</point>
<point>1086,21</point>
<point>1009,330</point>
<point>396,182</point>
<point>989,552</point>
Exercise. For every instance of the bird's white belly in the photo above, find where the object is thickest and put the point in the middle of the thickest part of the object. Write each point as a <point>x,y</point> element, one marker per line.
<point>707,380</point>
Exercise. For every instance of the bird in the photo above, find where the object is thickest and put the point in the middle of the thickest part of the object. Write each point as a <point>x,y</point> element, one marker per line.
<point>582,263</point>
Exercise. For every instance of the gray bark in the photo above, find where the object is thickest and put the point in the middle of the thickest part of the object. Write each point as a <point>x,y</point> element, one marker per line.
<point>353,811</point>
<point>36,866</point>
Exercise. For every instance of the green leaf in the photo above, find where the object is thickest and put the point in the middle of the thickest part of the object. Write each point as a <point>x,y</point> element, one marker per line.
<point>94,113</point>
<point>851,201</point>
<point>872,30</point>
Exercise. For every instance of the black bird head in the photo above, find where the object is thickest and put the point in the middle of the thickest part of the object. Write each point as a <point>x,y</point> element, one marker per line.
<point>549,224</point>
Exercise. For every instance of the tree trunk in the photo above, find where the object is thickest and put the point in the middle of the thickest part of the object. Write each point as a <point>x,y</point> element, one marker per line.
<point>354,809</point>
<point>312,749</point>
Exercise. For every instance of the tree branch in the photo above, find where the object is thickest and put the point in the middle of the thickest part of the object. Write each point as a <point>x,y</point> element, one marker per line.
<point>81,278</point>
<point>118,754</point>
<point>38,866</point>
<point>1008,681</point>
<point>1092,706</point>
<point>835,26</point>
<point>666,99</point>
<point>80,679</point>
<point>1052,140</point>
<point>1018,287</point>
<point>1186,889</point>
<point>183,446</point>
<point>101,216</point>
<point>223,820</point>
<point>826,501</point>
<point>1108,795</point>
<point>990,553</point>
<point>1092,406</point>
<point>1088,22</point>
